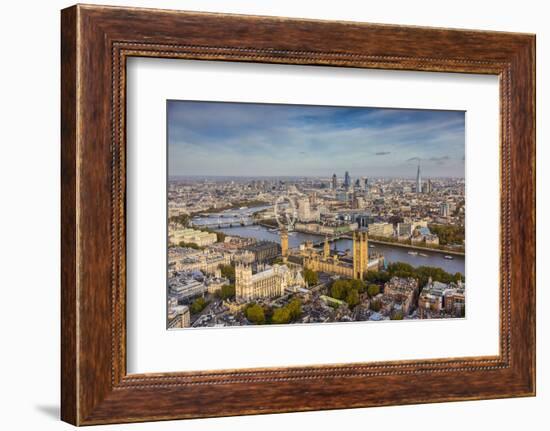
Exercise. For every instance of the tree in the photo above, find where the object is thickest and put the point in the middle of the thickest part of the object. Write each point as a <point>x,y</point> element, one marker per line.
<point>281,316</point>
<point>422,273</point>
<point>220,236</point>
<point>352,298</point>
<point>189,245</point>
<point>255,313</point>
<point>373,290</point>
<point>198,305</point>
<point>358,285</point>
<point>375,305</point>
<point>395,219</point>
<point>228,271</point>
<point>295,309</point>
<point>338,289</point>
<point>377,276</point>
<point>401,269</point>
<point>311,277</point>
<point>448,234</point>
<point>348,291</point>
<point>397,315</point>
<point>182,219</point>
<point>227,291</point>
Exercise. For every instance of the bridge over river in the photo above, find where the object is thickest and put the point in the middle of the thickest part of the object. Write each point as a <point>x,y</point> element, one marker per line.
<point>223,223</point>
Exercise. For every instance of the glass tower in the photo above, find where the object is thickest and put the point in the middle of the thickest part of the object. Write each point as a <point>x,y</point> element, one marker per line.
<point>418,180</point>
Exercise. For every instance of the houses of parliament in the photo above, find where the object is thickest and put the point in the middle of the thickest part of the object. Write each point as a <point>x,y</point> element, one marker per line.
<point>332,264</point>
<point>271,281</point>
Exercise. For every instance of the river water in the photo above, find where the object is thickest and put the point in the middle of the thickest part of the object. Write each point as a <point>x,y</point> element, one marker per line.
<point>391,253</point>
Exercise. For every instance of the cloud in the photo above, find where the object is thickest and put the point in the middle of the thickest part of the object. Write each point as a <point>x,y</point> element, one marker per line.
<point>438,159</point>
<point>441,160</point>
<point>206,138</point>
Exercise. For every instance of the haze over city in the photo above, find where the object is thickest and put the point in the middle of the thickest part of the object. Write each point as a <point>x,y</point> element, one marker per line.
<point>248,139</point>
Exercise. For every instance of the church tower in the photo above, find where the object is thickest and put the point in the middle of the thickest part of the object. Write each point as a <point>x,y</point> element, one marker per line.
<point>360,254</point>
<point>243,281</point>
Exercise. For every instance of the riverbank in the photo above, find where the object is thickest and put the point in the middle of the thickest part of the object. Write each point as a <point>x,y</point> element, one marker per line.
<point>233,206</point>
<point>392,252</point>
<point>390,243</point>
<point>415,247</point>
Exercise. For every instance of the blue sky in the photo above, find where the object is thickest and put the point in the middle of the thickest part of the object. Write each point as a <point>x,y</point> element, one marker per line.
<point>242,139</point>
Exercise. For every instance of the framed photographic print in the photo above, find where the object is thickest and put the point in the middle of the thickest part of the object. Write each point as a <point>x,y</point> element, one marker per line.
<point>329,214</point>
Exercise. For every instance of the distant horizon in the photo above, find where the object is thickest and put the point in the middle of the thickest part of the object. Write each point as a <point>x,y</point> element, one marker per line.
<point>248,139</point>
<point>313,176</point>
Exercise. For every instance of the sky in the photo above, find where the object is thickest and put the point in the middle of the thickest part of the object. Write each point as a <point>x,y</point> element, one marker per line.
<point>254,139</point>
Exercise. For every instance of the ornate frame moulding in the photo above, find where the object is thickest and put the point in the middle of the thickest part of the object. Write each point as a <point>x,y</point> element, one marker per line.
<point>96,41</point>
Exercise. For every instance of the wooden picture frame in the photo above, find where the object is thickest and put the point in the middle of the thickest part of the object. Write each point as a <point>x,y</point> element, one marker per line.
<point>95,43</point>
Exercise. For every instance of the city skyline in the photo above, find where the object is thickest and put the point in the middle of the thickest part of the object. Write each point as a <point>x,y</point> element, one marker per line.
<point>325,177</point>
<point>218,139</point>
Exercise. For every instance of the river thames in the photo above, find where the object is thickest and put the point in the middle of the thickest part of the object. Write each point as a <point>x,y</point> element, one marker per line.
<point>391,253</point>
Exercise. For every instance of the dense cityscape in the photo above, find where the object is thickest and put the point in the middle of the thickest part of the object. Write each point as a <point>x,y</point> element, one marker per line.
<point>264,250</point>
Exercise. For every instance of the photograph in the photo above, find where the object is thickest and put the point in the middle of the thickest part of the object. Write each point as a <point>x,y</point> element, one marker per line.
<point>275,215</point>
<point>302,214</point>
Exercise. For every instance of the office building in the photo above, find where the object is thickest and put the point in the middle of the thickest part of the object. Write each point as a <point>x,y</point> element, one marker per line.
<point>179,316</point>
<point>404,230</point>
<point>184,287</point>
<point>444,209</point>
<point>193,236</point>
<point>347,180</point>
<point>402,292</point>
<point>383,230</point>
<point>304,211</point>
<point>418,180</point>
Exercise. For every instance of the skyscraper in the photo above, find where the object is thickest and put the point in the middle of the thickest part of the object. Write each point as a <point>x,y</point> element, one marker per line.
<point>347,180</point>
<point>429,186</point>
<point>418,180</point>
<point>334,182</point>
<point>444,209</point>
<point>304,213</point>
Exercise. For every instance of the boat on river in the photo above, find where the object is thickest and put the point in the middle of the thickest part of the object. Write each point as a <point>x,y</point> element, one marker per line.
<point>422,254</point>
<point>448,257</point>
<point>412,253</point>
